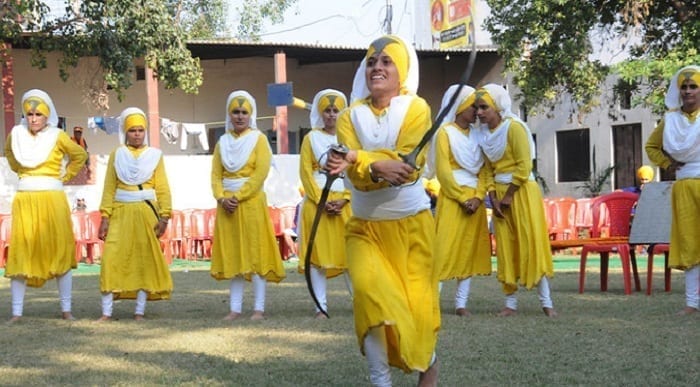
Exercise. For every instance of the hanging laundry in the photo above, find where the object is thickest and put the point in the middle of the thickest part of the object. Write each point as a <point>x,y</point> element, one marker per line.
<point>111,125</point>
<point>95,123</point>
<point>169,129</point>
<point>199,130</point>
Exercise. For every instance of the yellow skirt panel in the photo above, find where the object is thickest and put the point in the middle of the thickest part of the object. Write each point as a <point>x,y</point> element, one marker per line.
<point>684,250</point>
<point>244,242</point>
<point>522,243</point>
<point>395,285</point>
<point>329,245</point>
<point>133,259</point>
<point>464,247</point>
<point>42,244</point>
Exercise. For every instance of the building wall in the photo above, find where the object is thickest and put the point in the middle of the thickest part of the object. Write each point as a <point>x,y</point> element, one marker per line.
<point>188,171</point>
<point>600,123</point>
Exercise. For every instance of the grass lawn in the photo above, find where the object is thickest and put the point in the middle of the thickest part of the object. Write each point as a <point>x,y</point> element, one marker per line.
<point>598,339</point>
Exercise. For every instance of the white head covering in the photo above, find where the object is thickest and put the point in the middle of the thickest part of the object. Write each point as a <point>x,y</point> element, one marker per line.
<point>430,166</point>
<point>359,84</point>
<point>503,103</point>
<point>463,94</point>
<point>316,117</point>
<point>122,118</point>
<point>253,115</point>
<point>673,95</point>
<point>53,115</point>
<point>31,150</point>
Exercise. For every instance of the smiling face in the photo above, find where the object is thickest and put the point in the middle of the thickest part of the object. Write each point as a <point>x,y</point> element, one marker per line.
<point>689,95</point>
<point>36,121</point>
<point>382,75</point>
<point>136,136</point>
<point>240,118</point>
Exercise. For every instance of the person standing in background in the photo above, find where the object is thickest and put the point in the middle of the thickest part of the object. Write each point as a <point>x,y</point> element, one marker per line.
<point>461,225</point>
<point>675,146</point>
<point>136,208</point>
<point>328,253</point>
<point>244,246</point>
<point>524,256</point>
<point>43,244</point>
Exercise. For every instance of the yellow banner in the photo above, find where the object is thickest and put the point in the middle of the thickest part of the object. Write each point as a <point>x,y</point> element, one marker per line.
<point>452,23</point>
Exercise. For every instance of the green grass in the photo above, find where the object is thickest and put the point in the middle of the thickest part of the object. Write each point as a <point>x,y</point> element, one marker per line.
<point>598,339</point>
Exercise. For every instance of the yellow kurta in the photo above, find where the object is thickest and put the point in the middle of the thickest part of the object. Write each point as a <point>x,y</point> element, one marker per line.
<point>42,241</point>
<point>684,247</point>
<point>391,262</point>
<point>328,251</point>
<point>244,241</point>
<point>523,251</point>
<point>465,247</point>
<point>133,259</point>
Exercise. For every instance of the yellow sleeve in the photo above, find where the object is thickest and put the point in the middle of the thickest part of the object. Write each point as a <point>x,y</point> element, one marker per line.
<point>109,188</point>
<point>484,181</point>
<point>76,154</point>
<point>487,173</point>
<point>11,160</point>
<point>217,174</point>
<point>162,188</point>
<point>655,147</point>
<point>444,165</point>
<point>520,146</point>
<point>414,126</point>
<point>259,166</point>
<point>307,166</point>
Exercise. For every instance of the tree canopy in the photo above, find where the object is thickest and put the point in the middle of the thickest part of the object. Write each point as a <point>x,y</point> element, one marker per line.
<point>548,46</point>
<point>118,33</point>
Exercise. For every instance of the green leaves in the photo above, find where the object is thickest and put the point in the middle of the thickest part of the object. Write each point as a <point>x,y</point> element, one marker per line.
<point>547,46</point>
<point>118,33</point>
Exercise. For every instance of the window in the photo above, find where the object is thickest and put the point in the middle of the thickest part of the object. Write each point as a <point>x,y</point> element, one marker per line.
<point>140,73</point>
<point>573,156</point>
<point>623,93</point>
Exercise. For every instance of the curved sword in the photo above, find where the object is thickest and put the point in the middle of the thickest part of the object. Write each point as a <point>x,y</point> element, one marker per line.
<point>410,158</point>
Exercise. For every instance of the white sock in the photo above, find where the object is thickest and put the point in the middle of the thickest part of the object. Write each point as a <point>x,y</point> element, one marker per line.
<point>692,287</point>
<point>512,301</point>
<point>543,292</point>
<point>236,294</point>
<point>377,358</point>
<point>318,281</point>
<point>259,289</point>
<point>65,286</point>
<point>107,304</point>
<point>18,287</point>
<point>141,297</point>
<point>462,295</point>
<point>440,287</point>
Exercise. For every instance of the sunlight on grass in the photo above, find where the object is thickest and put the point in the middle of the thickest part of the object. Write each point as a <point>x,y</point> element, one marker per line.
<point>599,338</point>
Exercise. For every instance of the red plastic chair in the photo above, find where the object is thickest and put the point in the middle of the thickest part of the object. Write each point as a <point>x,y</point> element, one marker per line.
<point>584,217</point>
<point>200,234</point>
<point>619,206</point>
<point>86,226</point>
<point>658,249</point>
<point>173,242</point>
<point>562,215</point>
<point>5,233</point>
<point>276,218</point>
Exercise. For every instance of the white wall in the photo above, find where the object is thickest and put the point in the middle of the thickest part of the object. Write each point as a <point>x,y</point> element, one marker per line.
<point>189,179</point>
